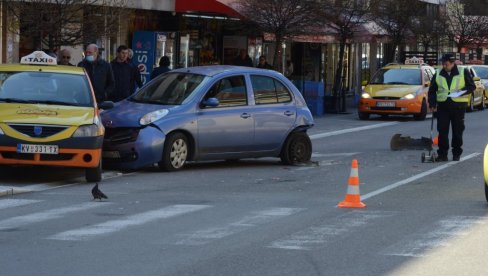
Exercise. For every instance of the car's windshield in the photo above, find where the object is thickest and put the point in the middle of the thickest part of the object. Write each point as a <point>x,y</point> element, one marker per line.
<point>169,89</point>
<point>397,76</point>
<point>481,71</point>
<point>45,88</point>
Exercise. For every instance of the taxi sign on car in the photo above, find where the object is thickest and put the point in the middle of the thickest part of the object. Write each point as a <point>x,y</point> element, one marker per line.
<point>49,116</point>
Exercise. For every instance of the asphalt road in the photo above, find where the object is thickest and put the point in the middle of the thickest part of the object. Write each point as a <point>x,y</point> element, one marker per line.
<point>258,217</point>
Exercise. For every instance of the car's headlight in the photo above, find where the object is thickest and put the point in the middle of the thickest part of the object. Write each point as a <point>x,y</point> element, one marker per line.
<point>365,96</point>
<point>152,117</point>
<point>408,97</point>
<point>89,131</point>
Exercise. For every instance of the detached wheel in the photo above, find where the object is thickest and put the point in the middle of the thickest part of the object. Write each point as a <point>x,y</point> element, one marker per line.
<point>486,191</point>
<point>297,149</point>
<point>471,104</point>
<point>423,112</point>
<point>175,152</point>
<point>94,174</point>
<point>363,116</point>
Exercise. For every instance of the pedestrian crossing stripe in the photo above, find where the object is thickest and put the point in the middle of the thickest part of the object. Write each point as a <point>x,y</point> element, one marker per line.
<point>9,203</point>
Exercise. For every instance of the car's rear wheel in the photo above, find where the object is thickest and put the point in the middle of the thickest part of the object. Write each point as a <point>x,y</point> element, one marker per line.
<point>471,104</point>
<point>363,116</point>
<point>94,174</point>
<point>423,112</point>
<point>175,152</point>
<point>297,149</point>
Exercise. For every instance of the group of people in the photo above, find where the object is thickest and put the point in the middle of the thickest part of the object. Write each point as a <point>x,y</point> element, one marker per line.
<point>243,59</point>
<point>111,81</point>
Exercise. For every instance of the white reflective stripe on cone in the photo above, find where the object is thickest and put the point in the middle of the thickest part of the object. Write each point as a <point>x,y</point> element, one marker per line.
<point>354,172</point>
<point>353,190</point>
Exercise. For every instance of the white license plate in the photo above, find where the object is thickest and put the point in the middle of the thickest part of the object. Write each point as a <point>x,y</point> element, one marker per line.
<point>42,149</point>
<point>385,104</point>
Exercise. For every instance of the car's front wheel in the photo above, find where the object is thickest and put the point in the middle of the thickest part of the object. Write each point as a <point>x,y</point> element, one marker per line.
<point>297,149</point>
<point>94,174</point>
<point>471,104</point>
<point>423,112</point>
<point>175,152</point>
<point>486,191</point>
<point>363,116</point>
<point>482,106</point>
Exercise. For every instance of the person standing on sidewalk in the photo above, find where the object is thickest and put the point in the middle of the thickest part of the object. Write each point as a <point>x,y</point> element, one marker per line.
<point>450,111</point>
<point>125,75</point>
<point>99,71</point>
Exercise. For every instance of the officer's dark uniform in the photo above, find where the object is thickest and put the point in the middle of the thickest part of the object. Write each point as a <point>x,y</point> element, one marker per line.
<point>450,111</point>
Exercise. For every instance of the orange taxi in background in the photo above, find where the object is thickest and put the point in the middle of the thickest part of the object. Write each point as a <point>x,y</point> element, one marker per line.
<point>397,89</point>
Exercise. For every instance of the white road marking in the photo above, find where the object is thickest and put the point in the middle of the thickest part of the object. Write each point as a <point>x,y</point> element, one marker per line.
<point>19,221</point>
<point>417,177</point>
<point>9,203</point>
<point>350,130</point>
<point>318,236</point>
<point>111,226</point>
<point>346,154</point>
<point>214,233</point>
<point>420,244</point>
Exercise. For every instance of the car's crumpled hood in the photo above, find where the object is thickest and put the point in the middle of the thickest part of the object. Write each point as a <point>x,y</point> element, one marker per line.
<point>128,114</point>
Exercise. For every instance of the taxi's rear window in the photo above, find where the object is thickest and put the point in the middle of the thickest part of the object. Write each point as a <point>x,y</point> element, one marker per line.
<point>46,88</point>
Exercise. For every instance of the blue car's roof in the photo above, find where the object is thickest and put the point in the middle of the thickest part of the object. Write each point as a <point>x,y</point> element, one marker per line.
<point>213,70</point>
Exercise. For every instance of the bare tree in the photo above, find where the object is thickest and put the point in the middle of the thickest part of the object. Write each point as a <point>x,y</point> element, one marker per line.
<point>282,18</point>
<point>55,23</point>
<point>345,17</point>
<point>465,30</point>
<point>429,30</point>
<point>395,17</point>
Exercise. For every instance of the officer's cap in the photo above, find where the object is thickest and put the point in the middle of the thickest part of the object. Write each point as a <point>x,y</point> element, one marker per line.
<point>448,57</point>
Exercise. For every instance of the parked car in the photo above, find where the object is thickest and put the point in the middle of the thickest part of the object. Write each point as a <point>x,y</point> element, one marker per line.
<point>208,113</point>
<point>49,116</point>
<point>482,72</point>
<point>397,89</point>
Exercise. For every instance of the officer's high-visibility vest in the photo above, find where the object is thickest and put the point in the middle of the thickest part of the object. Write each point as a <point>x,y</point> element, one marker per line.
<point>457,84</point>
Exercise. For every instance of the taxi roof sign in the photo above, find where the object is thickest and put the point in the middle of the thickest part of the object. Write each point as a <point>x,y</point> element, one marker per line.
<point>39,58</point>
<point>414,61</point>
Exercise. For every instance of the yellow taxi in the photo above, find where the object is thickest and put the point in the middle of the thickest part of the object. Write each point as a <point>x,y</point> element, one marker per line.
<point>397,89</point>
<point>49,116</point>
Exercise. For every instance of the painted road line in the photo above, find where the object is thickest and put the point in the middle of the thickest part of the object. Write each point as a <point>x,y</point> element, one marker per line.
<point>112,226</point>
<point>417,177</point>
<point>9,203</point>
<point>256,219</point>
<point>350,130</point>
<point>20,221</point>
<point>421,244</point>
<point>318,236</point>
<point>328,155</point>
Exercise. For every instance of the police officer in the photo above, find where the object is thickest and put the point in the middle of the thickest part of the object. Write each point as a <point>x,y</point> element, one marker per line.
<point>450,111</point>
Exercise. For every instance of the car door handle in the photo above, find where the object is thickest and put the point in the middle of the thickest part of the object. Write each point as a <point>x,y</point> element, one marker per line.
<point>245,115</point>
<point>289,113</point>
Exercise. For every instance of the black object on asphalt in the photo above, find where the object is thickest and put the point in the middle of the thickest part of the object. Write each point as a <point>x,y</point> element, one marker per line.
<point>399,142</point>
<point>97,194</point>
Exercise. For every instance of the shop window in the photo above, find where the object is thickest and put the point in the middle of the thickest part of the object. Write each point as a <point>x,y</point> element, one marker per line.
<point>269,91</point>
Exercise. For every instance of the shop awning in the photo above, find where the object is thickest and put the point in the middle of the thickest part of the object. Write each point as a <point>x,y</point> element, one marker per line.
<point>217,7</point>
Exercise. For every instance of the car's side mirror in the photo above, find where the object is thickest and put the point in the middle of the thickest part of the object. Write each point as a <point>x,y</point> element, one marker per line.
<point>476,78</point>
<point>211,102</point>
<point>106,105</point>
<point>364,83</point>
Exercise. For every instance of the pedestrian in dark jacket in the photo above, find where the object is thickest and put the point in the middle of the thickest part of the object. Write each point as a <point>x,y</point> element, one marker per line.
<point>263,64</point>
<point>449,110</point>
<point>100,73</point>
<point>164,64</point>
<point>125,75</point>
<point>243,59</point>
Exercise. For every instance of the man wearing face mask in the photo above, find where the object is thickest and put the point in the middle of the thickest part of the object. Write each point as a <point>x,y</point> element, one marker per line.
<point>450,111</point>
<point>100,73</point>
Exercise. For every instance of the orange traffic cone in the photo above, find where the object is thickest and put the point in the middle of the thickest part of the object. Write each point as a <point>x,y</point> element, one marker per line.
<point>353,197</point>
<point>436,140</point>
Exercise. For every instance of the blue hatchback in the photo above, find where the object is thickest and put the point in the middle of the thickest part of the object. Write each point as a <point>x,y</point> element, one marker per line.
<point>208,113</point>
